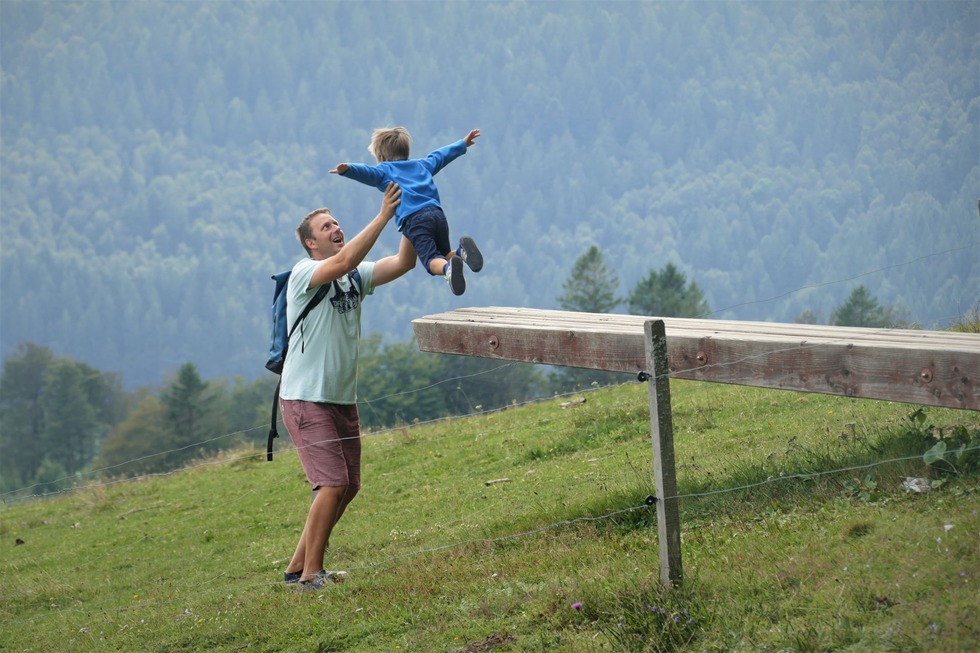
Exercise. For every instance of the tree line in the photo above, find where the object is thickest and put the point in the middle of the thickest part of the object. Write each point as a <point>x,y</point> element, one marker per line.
<point>61,420</point>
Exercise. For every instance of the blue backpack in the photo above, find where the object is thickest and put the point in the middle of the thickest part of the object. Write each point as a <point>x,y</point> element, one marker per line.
<point>279,344</point>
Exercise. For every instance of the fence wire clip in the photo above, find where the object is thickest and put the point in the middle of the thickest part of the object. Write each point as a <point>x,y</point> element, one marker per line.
<point>651,500</point>
<point>643,377</point>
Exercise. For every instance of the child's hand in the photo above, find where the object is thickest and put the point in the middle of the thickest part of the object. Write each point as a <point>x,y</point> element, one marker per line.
<point>472,136</point>
<point>340,169</point>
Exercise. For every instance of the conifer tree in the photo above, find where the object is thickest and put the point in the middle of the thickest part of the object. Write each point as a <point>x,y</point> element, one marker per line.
<point>591,287</point>
<point>667,294</point>
<point>861,310</point>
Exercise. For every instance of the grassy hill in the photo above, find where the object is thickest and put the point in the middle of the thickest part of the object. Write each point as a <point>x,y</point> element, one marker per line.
<point>797,536</point>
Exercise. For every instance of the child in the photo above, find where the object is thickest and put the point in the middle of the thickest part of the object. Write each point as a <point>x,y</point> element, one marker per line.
<point>420,217</point>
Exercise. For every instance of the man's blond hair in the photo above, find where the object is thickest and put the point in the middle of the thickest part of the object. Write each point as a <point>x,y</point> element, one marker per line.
<point>304,231</point>
<point>390,144</point>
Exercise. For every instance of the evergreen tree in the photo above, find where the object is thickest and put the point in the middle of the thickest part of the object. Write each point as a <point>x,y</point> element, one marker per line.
<point>591,287</point>
<point>21,415</point>
<point>195,420</point>
<point>184,400</point>
<point>667,294</point>
<point>71,423</point>
<point>861,310</point>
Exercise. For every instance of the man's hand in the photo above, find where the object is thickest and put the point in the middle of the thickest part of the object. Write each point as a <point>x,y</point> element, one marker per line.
<point>393,197</point>
<point>472,136</point>
<point>340,169</point>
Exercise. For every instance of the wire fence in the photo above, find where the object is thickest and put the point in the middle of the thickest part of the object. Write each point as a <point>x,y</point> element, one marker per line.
<point>288,477</point>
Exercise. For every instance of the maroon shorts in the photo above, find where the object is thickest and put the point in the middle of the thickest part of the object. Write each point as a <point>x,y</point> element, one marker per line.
<point>328,440</point>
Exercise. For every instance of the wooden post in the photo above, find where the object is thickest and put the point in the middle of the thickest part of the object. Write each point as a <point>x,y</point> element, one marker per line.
<point>665,476</point>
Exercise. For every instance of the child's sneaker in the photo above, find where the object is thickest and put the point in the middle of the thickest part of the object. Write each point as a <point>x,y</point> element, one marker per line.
<point>470,253</point>
<point>455,276</point>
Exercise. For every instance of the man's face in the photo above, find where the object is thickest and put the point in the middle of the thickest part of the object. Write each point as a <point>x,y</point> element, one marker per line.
<point>328,237</point>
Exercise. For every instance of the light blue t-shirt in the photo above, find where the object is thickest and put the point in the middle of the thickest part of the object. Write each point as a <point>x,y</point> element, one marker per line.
<point>321,364</point>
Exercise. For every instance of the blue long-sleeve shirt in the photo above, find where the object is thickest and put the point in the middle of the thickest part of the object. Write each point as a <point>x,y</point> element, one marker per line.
<point>413,176</point>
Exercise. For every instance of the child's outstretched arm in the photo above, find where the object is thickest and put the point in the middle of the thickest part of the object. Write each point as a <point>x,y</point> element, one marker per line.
<point>370,175</point>
<point>439,159</point>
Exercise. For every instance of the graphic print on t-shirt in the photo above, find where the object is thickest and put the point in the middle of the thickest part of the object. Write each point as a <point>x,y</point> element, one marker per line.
<point>344,302</point>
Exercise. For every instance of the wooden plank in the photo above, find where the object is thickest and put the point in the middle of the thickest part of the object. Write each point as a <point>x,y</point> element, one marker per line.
<point>664,471</point>
<point>933,368</point>
<point>615,323</point>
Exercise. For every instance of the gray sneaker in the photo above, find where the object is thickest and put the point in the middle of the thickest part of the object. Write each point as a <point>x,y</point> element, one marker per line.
<point>320,580</point>
<point>455,276</point>
<point>290,577</point>
<point>470,253</point>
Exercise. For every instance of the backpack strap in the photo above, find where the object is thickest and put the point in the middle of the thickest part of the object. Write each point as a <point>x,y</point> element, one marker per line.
<point>355,276</point>
<point>273,429</point>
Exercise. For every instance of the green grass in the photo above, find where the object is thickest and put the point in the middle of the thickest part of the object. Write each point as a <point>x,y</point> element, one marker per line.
<point>781,551</point>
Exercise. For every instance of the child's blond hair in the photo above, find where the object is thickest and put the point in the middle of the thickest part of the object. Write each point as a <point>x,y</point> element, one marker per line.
<point>390,144</point>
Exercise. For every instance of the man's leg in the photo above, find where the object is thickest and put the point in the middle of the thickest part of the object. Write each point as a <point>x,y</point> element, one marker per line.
<point>295,565</point>
<point>325,512</point>
<point>315,516</point>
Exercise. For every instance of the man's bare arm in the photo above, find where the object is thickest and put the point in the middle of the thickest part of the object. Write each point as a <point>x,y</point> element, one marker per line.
<point>392,267</point>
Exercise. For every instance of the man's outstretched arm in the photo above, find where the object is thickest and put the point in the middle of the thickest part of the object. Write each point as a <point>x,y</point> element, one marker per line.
<point>391,267</point>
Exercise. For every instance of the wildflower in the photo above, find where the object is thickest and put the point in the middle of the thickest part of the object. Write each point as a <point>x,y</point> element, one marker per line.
<point>577,605</point>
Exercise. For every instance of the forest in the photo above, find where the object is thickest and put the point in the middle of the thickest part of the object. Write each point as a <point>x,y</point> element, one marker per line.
<point>156,157</point>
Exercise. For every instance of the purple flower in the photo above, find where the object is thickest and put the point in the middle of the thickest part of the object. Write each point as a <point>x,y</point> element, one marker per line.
<point>577,605</point>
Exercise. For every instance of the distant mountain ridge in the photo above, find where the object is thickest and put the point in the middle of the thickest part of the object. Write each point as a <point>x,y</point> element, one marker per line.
<point>156,158</point>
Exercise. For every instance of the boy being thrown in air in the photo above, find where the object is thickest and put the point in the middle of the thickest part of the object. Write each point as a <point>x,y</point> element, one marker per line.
<point>420,217</point>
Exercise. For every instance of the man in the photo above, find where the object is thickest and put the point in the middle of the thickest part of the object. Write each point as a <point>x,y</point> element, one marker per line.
<point>319,379</point>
